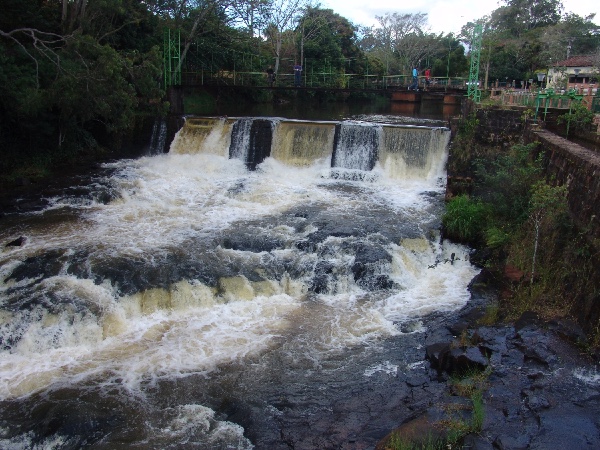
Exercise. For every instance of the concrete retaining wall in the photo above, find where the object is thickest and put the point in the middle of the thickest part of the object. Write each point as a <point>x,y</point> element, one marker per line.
<point>578,168</point>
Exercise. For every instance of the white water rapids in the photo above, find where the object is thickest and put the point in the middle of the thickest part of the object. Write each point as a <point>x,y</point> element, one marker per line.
<point>198,264</point>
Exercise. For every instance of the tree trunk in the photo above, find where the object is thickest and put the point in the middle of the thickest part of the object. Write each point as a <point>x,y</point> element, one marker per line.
<point>65,11</point>
<point>278,51</point>
<point>535,247</point>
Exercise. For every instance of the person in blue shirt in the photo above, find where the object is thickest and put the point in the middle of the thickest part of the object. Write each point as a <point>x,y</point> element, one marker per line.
<point>415,82</point>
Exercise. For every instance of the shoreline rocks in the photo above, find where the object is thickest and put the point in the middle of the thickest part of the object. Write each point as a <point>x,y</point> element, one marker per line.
<point>540,391</point>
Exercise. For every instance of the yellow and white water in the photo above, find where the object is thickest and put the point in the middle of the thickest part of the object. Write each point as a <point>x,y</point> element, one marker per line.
<point>194,272</point>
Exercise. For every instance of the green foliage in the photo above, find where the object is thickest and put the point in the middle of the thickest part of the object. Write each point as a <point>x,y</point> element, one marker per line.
<point>505,182</point>
<point>579,117</point>
<point>429,443</point>
<point>468,126</point>
<point>548,201</point>
<point>73,86</point>
<point>478,412</point>
<point>491,315</point>
<point>466,219</point>
<point>496,237</point>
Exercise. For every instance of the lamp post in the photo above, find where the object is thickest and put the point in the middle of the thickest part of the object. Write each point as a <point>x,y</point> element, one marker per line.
<point>540,77</point>
<point>576,73</point>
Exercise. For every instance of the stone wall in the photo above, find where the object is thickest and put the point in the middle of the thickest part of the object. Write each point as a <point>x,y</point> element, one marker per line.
<point>569,163</point>
<point>578,168</point>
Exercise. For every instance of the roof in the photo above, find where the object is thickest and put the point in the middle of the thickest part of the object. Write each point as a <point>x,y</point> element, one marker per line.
<point>577,61</point>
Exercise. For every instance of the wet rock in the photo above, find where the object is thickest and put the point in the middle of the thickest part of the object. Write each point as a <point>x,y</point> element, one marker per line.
<point>527,319</point>
<point>464,360</point>
<point>537,402</point>
<point>437,355</point>
<point>36,267</point>
<point>251,240</point>
<point>475,442</point>
<point>511,442</point>
<point>320,283</point>
<point>535,347</point>
<point>20,241</point>
<point>568,329</point>
<point>368,264</point>
<point>443,358</point>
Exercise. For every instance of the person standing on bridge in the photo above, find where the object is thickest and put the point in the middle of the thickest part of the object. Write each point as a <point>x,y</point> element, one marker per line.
<point>415,83</point>
<point>297,75</point>
<point>270,76</point>
<point>427,78</point>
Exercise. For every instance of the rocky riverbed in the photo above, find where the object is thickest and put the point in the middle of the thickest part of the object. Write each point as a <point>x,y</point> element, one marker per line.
<point>539,389</point>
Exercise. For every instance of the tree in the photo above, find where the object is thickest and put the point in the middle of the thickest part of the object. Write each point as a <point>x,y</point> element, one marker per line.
<point>574,35</point>
<point>76,89</point>
<point>519,16</point>
<point>449,58</point>
<point>547,203</point>
<point>251,13</point>
<point>282,15</point>
<point>401,41</point>
<point>328,38</point>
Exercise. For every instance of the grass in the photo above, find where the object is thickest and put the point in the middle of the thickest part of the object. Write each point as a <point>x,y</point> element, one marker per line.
<point>455,425</point>
<point>398,443</point>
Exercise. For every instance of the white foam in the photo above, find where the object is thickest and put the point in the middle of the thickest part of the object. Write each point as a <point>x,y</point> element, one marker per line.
<point>385,367</point>
<point>168,199</point>
<point>588,376</point>
<point>196,426</point>
<point>167,343</point>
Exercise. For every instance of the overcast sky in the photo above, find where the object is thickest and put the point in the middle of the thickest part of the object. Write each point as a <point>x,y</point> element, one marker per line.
<point>444,16</point>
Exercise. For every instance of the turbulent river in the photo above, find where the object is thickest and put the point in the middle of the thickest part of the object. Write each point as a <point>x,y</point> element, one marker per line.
<point>262,285</point>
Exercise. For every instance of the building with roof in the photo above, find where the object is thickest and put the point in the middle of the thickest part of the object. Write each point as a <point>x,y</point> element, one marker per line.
<point>576,72</point>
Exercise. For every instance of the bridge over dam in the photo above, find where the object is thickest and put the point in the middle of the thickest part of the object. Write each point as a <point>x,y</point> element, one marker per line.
<point>397,94</point>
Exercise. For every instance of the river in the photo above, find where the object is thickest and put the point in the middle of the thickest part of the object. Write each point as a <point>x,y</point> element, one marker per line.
<point>224,296</point>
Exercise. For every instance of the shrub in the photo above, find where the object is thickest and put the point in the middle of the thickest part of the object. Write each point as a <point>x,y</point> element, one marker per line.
<point>465,219</point>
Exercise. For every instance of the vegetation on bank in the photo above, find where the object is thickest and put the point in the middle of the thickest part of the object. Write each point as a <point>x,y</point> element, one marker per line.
<point>517,219</point>
<point>77,78</point>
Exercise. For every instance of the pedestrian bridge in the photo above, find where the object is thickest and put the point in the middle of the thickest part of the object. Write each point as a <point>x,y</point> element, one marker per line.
<point>320,80</point>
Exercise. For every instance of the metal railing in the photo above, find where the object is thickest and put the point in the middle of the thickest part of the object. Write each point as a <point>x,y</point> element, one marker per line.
<point>323,80</point>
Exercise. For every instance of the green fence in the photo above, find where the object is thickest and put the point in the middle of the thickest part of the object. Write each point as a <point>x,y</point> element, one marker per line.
<point>596,104</point>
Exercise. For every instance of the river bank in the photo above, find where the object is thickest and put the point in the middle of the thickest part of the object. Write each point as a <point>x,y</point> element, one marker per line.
<point>537,388</point>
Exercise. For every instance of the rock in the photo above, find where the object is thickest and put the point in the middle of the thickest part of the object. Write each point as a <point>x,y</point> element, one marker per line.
<point>528,318</point>
<point>17,242</point>
<point>462,361</point>
<point>418,432</point>
<point>437,355</point>
<point>475,442</point>
<point>568,329</point>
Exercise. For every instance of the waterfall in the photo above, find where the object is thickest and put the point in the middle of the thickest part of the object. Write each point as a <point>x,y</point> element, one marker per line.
<point>301,143</point>
<point>251,141</point>
<point>402,151</point>
<point>356,145</point>
<point>414,152</point>
<point>240,139</point>
<point>203,135</point>
<point>158,138</point>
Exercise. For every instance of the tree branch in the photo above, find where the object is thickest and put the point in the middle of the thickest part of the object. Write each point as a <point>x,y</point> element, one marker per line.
<point>42,42</point>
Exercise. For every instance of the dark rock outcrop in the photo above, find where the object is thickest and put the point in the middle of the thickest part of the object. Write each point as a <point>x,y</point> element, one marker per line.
<point>540,391</point>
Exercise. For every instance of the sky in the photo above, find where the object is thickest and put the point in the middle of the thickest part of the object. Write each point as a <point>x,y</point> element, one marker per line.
<point>444,16</point>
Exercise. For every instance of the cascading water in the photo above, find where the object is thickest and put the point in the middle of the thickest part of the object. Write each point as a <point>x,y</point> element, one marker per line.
<point>209,306</point>
<point>158,139</point>
<point>356,145</point>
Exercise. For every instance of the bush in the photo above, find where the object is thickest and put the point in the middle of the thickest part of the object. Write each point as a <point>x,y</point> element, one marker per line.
<point>465,219</point>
